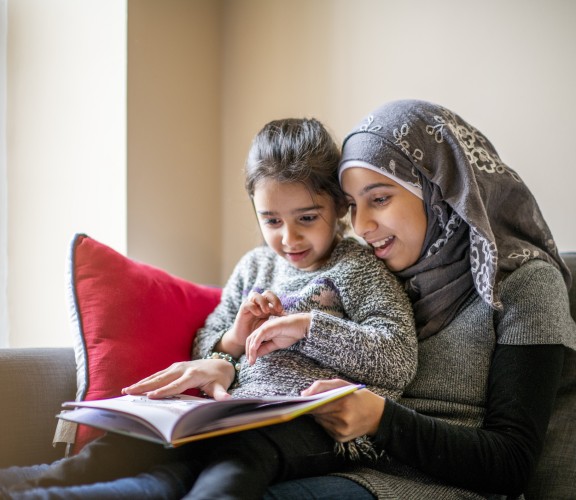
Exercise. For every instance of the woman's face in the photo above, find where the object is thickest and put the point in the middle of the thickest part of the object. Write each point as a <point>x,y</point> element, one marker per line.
<point>389,217</point>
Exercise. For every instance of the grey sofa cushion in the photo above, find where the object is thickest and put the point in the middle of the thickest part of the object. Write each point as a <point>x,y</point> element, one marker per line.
<point>33,384</point>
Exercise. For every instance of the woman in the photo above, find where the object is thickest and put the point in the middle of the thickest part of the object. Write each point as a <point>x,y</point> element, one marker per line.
<point>430,194</point>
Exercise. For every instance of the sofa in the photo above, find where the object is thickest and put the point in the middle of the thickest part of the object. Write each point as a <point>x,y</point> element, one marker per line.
<point>35,381</point>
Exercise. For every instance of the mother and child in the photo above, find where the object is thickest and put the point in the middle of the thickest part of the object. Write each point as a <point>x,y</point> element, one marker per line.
<point>454,315</point>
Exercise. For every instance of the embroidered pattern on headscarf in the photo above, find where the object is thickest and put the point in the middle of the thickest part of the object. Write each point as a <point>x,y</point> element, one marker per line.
<point>483,263</point>
<point>483,220</point>
<point>448,228</point>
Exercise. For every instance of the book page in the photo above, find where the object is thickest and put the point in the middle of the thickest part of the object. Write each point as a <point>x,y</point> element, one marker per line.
<point>114,422</point>
<point>162,415</point>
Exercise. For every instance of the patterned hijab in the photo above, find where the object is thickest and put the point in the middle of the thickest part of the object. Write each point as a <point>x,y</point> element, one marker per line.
<point>483,222</point>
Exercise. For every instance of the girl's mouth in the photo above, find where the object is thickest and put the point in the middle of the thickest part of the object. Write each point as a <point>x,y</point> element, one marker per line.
<point>297,256</point>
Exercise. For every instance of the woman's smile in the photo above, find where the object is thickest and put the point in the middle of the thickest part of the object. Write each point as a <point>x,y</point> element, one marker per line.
<point>383,247</point>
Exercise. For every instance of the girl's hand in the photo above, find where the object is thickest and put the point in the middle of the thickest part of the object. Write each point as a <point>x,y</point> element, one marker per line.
<point>212,376</point>
<point>253,312</point>
<point>277,333</point>
<point>349,417</point>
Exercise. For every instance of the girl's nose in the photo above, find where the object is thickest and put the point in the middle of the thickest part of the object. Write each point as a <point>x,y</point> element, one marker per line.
<point>290,235</point>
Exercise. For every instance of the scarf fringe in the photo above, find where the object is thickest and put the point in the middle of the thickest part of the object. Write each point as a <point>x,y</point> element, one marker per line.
<point>358,449</point>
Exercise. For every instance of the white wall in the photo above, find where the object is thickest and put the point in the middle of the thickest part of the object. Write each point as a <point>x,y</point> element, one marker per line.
<point>3,191</point>
<point>66,150</point>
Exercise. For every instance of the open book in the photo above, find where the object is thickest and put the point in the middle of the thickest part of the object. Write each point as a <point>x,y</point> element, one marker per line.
<point>180,419</point>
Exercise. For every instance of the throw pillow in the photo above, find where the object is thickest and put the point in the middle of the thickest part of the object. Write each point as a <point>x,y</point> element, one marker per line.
<point>129,320</point>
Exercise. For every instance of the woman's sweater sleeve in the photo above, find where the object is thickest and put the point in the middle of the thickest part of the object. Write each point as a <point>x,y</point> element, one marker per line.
<point>376,343</point>
<point>501,456</point>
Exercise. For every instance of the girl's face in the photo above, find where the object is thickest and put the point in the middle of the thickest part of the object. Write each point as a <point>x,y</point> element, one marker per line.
<point>389,217</point>
<point>298,224</point>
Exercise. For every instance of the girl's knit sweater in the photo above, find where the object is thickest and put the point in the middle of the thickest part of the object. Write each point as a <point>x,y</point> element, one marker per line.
<point>362,327</point>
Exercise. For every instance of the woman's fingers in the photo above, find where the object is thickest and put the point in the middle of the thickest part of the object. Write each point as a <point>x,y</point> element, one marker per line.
<point>323,386</point>
<point>349,417</point>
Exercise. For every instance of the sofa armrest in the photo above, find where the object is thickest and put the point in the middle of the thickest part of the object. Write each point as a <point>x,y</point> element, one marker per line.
<point>33,384</point>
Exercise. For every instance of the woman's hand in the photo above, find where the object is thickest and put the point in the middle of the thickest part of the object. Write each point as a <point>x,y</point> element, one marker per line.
<point>212,376</point>
<point>349,417</point>
<point>277,333</point>
<point>253,312</point>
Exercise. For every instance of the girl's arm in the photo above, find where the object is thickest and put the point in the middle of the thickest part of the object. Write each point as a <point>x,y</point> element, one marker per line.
<point>376,344</point>
<point>212,376</point>
<point>220,321</point>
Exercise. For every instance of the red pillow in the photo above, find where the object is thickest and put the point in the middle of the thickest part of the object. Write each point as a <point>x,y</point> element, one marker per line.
<point>129,320</point>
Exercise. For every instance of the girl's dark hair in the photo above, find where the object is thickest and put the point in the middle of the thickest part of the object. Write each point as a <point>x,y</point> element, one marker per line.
<point>295,150</point>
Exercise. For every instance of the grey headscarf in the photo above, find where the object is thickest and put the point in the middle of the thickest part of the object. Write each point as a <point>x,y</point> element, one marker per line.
<point>483,222</point>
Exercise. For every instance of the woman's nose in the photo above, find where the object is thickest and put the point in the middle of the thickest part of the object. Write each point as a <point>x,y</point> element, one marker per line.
<point>363,223</point>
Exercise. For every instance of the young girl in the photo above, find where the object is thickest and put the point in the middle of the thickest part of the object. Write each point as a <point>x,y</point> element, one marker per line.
<point>309,305</point>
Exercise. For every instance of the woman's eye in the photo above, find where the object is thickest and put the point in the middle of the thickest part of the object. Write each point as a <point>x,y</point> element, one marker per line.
<point>381,200</point>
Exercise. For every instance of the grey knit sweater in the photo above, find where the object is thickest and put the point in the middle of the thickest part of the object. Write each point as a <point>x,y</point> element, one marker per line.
<point>457,382</point>
<point>362,326</point>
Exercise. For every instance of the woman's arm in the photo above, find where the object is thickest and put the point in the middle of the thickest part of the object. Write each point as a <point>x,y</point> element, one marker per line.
<point>501,456</point>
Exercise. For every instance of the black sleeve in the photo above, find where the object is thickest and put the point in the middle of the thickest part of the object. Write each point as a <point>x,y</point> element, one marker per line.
<point>501,456</point>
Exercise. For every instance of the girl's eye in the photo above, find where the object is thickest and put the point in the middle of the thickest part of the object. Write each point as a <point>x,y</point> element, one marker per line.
<point>308,218</point>
<point>271,222</point>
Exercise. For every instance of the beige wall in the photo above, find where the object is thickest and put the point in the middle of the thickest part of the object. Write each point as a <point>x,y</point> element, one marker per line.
<point>205,75</point>
<point>174,144</point>
<point>507,67</point>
